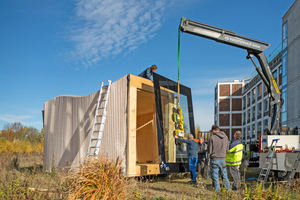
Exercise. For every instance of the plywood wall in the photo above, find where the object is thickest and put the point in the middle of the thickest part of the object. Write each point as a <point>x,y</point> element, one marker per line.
<point>146,132</point>
<point>68,123</point>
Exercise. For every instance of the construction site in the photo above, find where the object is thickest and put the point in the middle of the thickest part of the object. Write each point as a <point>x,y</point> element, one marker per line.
<point>150,100</point>
<point>136,119</point>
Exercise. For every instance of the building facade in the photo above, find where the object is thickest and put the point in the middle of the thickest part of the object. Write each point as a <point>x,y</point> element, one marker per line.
<point>291,66</point>
<point>228,106</point>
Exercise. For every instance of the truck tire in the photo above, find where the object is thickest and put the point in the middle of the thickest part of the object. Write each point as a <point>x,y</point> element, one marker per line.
<point>282,175</point>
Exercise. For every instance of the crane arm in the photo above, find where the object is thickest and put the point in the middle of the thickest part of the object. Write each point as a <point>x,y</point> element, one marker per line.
<point>254,48</point>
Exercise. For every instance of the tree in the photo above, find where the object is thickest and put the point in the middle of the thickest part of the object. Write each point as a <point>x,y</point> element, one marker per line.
<point>197,131</point>
<point>16,131</point>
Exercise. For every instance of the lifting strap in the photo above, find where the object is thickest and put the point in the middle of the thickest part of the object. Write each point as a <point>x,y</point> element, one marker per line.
<point>178,93</point>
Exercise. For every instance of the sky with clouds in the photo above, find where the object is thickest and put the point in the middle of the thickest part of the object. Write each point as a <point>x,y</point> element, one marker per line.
<point>52,48</point>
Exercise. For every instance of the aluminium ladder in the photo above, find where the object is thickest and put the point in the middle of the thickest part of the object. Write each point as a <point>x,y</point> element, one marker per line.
<point>294,170</point>
<point>265,170</point>
<point>99,121</point>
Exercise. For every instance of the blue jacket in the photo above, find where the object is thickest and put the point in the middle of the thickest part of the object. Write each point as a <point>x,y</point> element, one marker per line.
<point>234,143</point>
<point>147,73</point>
<point>192,147</point>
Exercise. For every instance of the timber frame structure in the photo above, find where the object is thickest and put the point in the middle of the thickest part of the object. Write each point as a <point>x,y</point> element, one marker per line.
<point>138,128</point>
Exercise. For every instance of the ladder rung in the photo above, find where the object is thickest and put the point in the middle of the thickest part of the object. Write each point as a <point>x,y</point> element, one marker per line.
<point>263,174</point>
<point>98,131</point>
<point>99,115</point>
<point>264,168</point>
<point>98,123</point>
<point>101,108</point>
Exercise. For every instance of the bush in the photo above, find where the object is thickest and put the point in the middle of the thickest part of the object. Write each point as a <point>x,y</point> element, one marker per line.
<point>97,179</point>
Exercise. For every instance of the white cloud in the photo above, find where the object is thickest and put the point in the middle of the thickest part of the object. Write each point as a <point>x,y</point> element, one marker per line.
<point>108,27</point>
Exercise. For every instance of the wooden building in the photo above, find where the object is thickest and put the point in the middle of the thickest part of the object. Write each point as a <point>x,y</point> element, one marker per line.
<point>138,128</point>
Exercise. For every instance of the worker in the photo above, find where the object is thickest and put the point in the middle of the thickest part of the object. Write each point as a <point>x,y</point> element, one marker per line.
<point>217,147</point>
<point>202,148</point>
<point>147,73</point>
<point>234,159</point>
<point>192,154</point>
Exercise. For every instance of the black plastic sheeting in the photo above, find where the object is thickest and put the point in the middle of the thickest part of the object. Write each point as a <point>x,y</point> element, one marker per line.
<point>160,81</point>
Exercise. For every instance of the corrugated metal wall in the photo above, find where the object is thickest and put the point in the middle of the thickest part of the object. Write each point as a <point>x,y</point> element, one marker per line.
<point>68,123</point>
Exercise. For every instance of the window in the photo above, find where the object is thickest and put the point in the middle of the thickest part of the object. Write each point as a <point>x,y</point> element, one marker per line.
<point>244,101</point>
<point>244,117</point>
<point>266,124</point>
<point>275,75</point>
<point>284,35</point>
<point>259,126</point>
<point>248,98</point>
<point>248,112</point>
<point>216,92</point>
<point>253,94</point>
<point>248,131</point>
<point>280,70</point>
<point>259,109</point>
<point>284,69</point>
<point>266,105</point>
<point>253,129</point>
<point>284,106</point>
<point>244,133</point>
<point>253,112</point>
<point>259,90</point>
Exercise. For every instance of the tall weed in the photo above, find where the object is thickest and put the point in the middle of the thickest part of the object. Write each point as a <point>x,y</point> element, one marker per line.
<point>97,179</point>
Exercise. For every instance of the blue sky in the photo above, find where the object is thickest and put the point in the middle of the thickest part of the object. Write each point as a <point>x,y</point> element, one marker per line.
<point>52,48</point>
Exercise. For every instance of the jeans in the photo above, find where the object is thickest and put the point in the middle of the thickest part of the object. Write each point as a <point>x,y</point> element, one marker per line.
<point>201,164</point>
<point>192,168</point>
<point>234,170</point>
<point>215,167</point>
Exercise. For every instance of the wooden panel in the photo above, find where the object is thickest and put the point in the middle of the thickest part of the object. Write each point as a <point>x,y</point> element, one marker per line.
<point>146,134</point>
<point>132,115</point>
<point>68,122</point>
<point>140,83</point>
<point>148,169</point>
<point>170,147</point>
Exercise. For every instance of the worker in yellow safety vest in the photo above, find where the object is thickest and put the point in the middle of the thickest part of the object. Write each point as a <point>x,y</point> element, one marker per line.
<point>234,159</point>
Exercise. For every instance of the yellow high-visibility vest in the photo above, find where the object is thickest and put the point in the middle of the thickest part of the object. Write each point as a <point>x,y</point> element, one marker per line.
<point>235,155</point>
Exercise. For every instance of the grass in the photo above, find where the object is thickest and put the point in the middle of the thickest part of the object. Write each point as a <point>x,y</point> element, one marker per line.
<point>22,177</point>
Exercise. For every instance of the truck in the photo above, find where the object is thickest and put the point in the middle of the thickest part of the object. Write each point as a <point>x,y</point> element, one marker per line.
<point>285,158</point>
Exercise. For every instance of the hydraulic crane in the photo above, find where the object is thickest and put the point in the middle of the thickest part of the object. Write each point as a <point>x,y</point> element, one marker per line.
<point>254,48</point>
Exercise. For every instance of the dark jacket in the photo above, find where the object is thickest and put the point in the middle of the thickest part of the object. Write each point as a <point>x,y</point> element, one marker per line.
<point>218,146</point>
<point>202,148</point>
<point>192,147</point>
<point>147,73</point>
<point>234,143</point>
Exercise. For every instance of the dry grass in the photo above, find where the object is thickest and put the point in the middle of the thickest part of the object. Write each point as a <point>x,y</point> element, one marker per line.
<point>103,178</point>
<point>97,179</point>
